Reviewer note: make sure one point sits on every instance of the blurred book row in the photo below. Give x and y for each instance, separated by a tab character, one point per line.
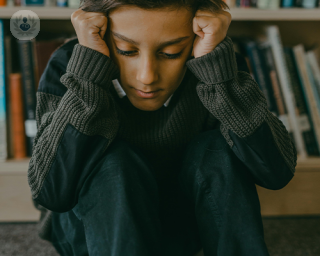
273	4
46	3
262	4
289	77
22	63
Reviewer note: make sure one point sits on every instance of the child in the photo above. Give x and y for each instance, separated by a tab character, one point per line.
152	135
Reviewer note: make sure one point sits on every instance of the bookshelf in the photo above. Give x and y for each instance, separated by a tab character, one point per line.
238	14
299	197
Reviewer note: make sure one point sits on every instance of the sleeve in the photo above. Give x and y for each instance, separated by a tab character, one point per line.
258	138
76	122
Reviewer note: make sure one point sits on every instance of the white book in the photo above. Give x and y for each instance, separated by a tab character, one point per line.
301	60
274	39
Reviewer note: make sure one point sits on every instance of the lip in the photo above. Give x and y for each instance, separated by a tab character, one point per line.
147	95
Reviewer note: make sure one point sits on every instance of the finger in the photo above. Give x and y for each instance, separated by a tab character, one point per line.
197	29
101	22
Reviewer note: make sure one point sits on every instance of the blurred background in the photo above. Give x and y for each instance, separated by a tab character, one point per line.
280	40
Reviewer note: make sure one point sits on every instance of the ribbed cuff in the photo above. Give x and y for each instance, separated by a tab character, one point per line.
218	66
92	65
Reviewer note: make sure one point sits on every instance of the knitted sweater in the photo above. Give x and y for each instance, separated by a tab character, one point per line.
79	114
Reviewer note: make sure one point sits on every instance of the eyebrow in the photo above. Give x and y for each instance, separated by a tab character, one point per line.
171	42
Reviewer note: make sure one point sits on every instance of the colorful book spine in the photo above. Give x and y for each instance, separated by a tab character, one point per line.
287	3
17	121
273	35
62	3
299	54
3	120
304	117
34	2
29	93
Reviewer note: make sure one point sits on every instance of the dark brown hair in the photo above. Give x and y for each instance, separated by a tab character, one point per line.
107	6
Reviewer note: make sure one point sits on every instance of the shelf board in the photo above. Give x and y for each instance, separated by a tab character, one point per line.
48	13
281	14
238	14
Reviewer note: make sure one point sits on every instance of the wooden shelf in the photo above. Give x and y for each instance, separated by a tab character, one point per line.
238	14
299	197
281	14
49	13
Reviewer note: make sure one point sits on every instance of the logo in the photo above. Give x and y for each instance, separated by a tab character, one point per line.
24	25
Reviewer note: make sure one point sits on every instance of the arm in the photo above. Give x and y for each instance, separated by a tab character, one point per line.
76	122
256	136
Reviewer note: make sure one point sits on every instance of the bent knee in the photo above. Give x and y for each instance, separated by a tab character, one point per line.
202	153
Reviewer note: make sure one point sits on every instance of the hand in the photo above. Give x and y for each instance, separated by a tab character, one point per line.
210	29
90	28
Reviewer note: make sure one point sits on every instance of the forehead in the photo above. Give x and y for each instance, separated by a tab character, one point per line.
136	22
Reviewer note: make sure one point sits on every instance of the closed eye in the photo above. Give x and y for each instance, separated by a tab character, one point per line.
166	55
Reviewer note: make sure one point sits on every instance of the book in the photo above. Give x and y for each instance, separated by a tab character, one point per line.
26	54
8	71
274	39
42	52
17	121
313	82
260	73
304	116
3	119
277	92
315	69
299	54
309	3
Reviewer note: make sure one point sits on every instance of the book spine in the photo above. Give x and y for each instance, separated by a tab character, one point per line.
34	2
307	90
8	71
309	3
287	3
315	69
29	93
278	55
312	79
17	122
263	4
277	94
303	118
3	119
260	75
76	3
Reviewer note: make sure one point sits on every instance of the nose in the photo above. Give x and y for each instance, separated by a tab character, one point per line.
147	71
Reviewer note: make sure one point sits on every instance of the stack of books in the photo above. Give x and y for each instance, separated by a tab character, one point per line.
289	77
22	63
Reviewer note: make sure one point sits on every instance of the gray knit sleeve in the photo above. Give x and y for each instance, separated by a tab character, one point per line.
236	100
73	130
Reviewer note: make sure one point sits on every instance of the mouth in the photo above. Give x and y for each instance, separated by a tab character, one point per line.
150	94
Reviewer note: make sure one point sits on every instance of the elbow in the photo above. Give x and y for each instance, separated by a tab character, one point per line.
55	201
278	180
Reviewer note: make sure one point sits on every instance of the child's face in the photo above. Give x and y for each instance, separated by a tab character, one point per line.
148	69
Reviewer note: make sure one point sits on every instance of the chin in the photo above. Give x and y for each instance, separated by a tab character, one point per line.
147	106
